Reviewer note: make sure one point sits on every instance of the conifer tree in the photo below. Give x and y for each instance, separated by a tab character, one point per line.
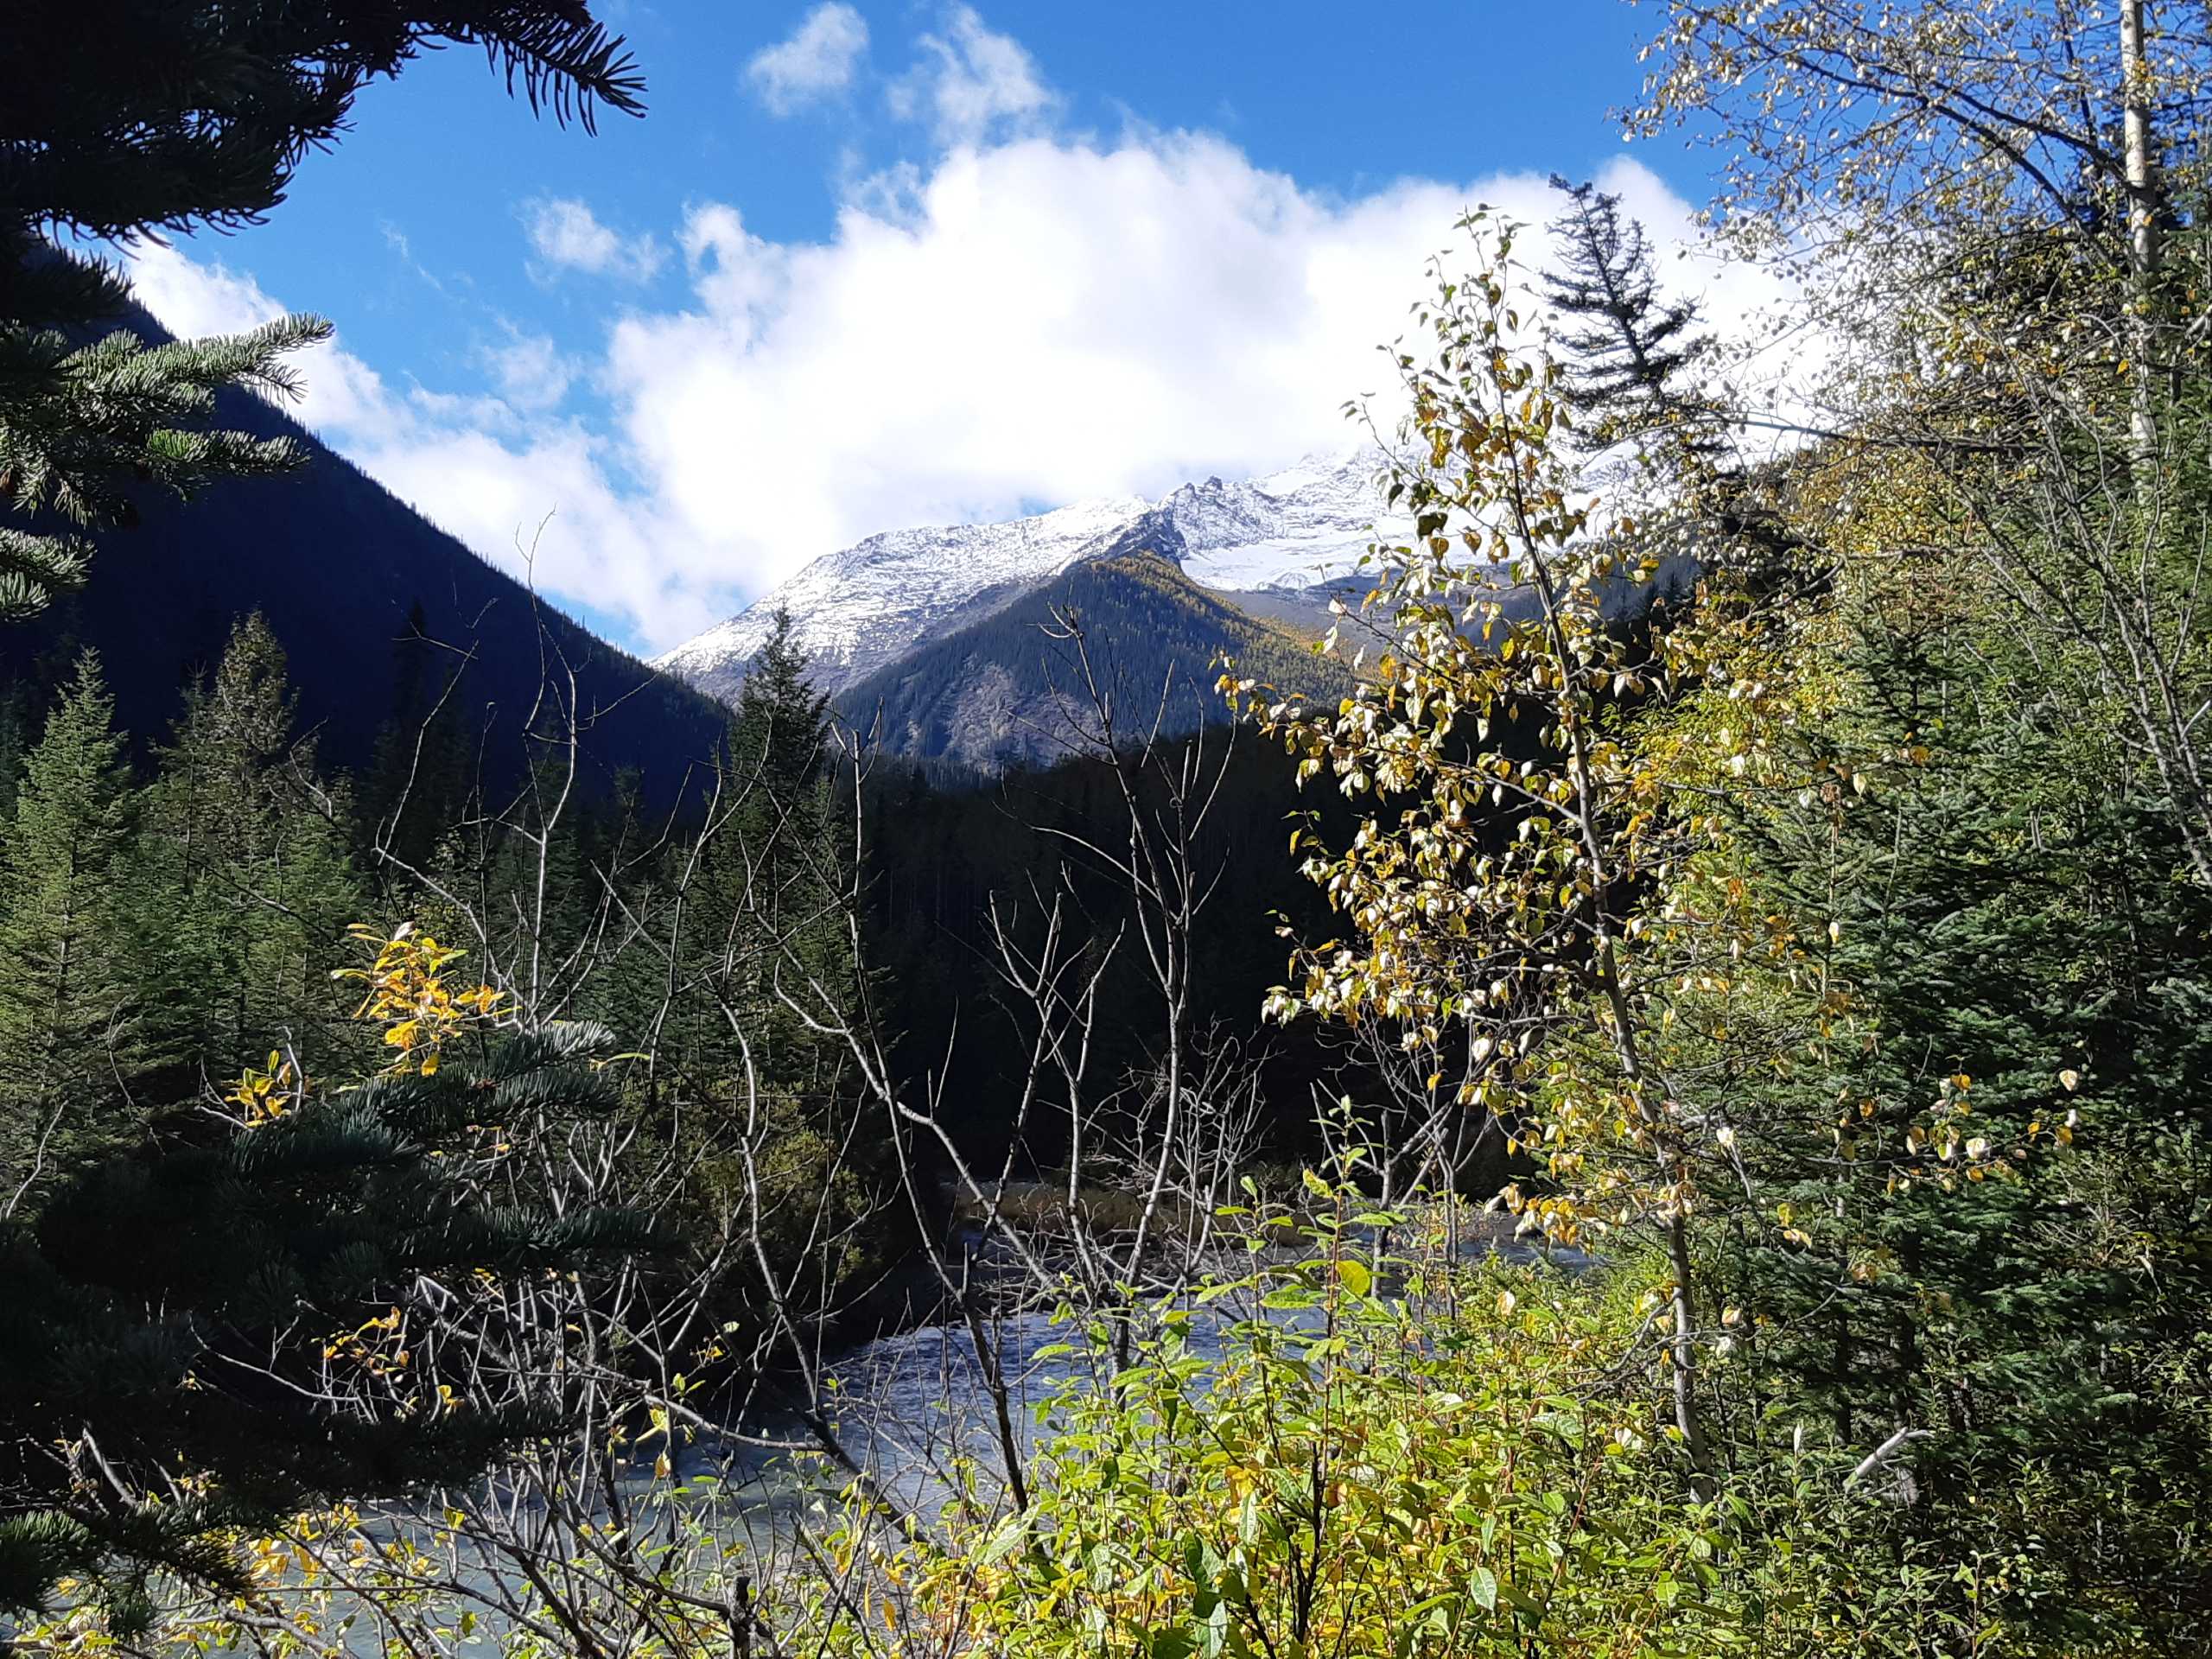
244	883
2014	936
120	118
775	871
1629	351
782	720
175	1310
1636	371
759	915
418	779
67	1043
753	880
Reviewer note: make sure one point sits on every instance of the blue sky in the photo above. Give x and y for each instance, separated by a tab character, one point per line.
865	265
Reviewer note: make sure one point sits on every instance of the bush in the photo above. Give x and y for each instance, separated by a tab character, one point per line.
1352	1454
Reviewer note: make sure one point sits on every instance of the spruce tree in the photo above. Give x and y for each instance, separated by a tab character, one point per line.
121	118
417	785
1631	353
181	1310
244	885
68	1046
773	878
2015	943
752	897
1636	372
782	721
763	924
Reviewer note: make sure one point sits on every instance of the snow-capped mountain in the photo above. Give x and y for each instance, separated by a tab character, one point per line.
1290	531
859	611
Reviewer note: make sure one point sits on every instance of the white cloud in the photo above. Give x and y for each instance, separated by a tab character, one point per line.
1022	320
191	299
1036	322
817	61
568	235
971	83
529	369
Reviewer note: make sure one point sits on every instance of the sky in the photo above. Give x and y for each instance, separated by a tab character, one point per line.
867	266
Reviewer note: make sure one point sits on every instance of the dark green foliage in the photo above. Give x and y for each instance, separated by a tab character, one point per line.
242	881
2014	916
1628	349
129	115
942	852
764	931
766	882
122	118
69	1042
1643	382
83	427
419	775
199	1307
782	723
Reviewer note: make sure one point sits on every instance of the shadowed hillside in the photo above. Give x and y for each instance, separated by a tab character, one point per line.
1001	691
376	607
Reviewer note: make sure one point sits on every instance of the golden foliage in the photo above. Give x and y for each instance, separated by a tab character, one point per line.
409	993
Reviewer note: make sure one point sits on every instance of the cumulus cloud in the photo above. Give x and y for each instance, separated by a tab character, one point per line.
567	236
817	61
971	83
1024	319
1040	321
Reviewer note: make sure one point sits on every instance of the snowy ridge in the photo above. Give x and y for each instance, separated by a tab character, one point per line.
857	611
1292	529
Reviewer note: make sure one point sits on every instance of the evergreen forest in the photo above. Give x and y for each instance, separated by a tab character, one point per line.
1636	1097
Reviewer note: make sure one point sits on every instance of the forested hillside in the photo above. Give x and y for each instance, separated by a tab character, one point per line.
1130	631
382	611
1643	1094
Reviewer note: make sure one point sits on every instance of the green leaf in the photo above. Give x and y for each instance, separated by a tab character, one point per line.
1481	1589
1522	1600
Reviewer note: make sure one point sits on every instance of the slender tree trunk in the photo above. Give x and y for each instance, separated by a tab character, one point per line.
1682	1351
2143	212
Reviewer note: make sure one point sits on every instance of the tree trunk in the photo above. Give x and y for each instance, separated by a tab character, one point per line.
2143	214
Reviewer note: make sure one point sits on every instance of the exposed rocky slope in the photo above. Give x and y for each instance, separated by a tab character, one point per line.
1012	688
866	609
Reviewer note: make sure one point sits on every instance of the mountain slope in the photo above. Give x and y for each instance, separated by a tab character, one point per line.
865	608
862	608
370	600
1002	690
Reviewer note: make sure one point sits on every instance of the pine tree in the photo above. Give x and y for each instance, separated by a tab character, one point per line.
1632	355
244	883
173	1310
120	118
68	1044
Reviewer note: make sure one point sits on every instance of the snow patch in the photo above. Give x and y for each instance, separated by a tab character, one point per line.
856	611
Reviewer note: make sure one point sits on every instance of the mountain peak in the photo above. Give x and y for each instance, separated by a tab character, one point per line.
858	611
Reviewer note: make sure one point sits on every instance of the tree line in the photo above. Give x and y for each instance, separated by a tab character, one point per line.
1764	885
